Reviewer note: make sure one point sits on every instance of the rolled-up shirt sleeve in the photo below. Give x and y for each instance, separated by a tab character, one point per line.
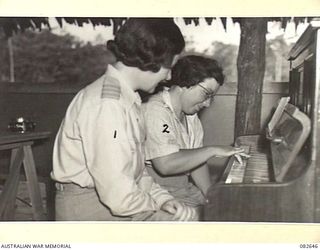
160	139
109	157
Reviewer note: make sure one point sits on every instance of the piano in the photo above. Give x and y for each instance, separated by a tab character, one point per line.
280	182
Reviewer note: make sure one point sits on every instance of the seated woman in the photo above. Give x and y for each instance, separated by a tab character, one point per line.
174	145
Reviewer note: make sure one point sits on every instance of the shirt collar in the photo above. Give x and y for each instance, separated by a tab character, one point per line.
167	99
167	102
128	96
165	94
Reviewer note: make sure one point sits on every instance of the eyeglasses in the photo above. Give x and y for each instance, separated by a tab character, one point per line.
209	95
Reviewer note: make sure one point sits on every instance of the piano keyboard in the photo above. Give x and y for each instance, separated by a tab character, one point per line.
253	170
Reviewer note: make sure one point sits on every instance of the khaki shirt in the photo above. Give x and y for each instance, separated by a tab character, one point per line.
167	135
100	144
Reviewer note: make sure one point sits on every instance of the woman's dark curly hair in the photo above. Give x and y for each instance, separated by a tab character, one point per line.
193	69
147	43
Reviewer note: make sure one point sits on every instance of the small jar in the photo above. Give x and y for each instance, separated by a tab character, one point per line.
21	125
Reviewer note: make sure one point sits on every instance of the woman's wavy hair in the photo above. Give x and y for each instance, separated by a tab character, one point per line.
193	69
147	43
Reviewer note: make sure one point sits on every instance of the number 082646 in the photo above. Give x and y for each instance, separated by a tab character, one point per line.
308	245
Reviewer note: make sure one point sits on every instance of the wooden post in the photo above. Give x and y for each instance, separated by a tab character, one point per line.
11	59
251	69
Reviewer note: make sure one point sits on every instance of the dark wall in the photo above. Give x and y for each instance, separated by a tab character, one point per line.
45	105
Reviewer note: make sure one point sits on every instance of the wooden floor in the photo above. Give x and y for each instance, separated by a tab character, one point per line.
23	206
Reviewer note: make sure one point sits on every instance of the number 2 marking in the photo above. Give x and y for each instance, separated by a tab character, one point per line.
165	129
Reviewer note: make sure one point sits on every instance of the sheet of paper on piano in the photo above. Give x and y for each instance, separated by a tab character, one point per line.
277	114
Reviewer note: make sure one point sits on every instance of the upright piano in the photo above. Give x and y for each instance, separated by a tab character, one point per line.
280	182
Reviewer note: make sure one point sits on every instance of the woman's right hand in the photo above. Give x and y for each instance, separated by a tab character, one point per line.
180	211
226	151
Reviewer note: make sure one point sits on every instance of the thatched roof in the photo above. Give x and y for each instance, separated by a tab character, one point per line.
12	25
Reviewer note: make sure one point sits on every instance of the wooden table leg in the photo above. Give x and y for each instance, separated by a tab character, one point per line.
9	212
33	184
8	195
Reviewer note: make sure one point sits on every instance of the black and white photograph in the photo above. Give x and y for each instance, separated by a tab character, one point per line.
160	122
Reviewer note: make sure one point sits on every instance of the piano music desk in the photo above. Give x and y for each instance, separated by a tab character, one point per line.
21	152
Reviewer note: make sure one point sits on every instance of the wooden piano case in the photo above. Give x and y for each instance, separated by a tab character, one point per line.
293	195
